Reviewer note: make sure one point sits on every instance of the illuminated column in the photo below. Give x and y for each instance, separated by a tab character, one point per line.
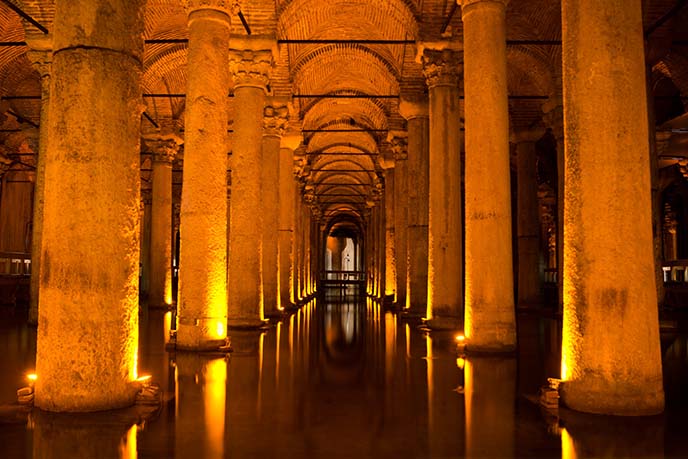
490	395
40	56
416	114
164	149
287	192
554	118
250	63
275	120
527	218
145	234
390	253
441	68
490	319
202	298
399	144
88	307
611	360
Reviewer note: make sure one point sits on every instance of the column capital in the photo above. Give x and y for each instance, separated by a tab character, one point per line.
411	108
228	7
464	4
398	141
442	63
5	164
41	60
291	141
163	146
251	61
275	119
146	196
527	135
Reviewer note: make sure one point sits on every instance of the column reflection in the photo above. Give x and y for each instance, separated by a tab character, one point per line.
490	394
201	392
84	435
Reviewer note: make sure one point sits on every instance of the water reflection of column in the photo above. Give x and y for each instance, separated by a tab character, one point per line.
445	404
83	436
244	390
589	436
201	393
490	393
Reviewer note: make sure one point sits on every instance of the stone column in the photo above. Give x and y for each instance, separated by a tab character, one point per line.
441	68
527	218
287	192
390	252
202	303
607	369
275	120
163	148
490	319
399	143
250	63
88	307
145	238
416	114
40	56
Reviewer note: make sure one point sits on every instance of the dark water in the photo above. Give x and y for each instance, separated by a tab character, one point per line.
341	379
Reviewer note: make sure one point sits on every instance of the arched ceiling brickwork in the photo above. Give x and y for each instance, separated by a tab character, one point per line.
361	69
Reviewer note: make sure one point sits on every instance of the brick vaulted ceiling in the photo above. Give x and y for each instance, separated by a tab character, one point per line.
343	163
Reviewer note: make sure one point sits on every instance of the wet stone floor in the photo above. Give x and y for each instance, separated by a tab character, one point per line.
341	378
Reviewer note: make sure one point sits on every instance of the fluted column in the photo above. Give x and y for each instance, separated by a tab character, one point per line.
445	267
88	307
250	63
40	56
202	303
164	149
275	120
287	210
608	369
490	319
527	218
399	143
416	114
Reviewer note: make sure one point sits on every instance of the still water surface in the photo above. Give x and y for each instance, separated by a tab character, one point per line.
341	378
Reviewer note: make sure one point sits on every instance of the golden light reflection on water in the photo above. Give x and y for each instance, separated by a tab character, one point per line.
214	395
128	448
568	448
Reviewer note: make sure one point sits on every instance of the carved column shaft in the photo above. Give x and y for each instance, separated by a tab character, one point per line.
401	210
275	121
445	258
603	56
250	70
41	60
88	306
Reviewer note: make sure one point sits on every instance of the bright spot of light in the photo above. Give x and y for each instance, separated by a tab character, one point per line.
32	377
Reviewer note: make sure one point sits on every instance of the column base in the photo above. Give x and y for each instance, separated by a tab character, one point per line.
617	398
246	324
488	349
221	346
443	323
278	314
413	312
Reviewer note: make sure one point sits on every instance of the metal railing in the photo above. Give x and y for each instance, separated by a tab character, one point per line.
15	264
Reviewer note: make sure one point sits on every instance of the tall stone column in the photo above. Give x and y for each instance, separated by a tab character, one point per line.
441	68
416	114
40	56
399	142
287	211
490	319
527	218
250	63
202	303
88	307
608	369
145	238
164	149
275	120
390	252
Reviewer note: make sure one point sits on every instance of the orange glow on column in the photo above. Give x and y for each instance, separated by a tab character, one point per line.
128	446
